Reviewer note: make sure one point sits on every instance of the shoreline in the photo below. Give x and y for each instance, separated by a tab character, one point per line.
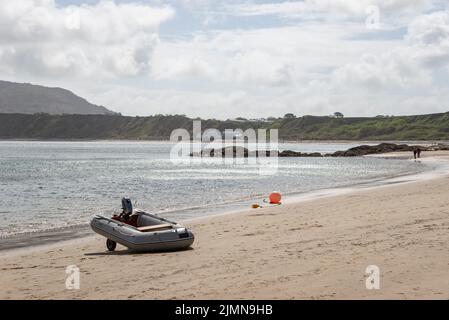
54	236
281	142
315	249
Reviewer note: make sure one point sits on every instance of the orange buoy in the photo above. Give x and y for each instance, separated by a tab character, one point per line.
255	206
275	198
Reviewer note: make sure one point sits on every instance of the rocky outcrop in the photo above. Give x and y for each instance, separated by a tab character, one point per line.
359	151
365	150
233	152
438	147
289	153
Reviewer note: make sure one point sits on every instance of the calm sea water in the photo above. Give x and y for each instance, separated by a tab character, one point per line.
45	185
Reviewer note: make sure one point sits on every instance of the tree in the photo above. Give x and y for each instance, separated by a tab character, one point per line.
289	116
339	115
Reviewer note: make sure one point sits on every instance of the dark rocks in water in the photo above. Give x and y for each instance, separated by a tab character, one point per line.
236	152
386	148
233	152
313	155
377	149
438	147
353	152
289	153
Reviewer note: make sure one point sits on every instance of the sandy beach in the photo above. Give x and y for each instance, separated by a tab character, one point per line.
316	249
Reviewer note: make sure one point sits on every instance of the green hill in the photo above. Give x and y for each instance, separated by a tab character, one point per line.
423	127
159	127
28	98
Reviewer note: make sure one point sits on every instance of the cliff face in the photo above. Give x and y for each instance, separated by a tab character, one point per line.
29	99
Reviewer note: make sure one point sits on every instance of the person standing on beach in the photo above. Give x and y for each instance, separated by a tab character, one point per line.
417	153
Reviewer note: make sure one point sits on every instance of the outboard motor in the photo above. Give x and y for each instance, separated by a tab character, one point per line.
127	207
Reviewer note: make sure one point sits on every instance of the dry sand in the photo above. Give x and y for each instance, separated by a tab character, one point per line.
316	249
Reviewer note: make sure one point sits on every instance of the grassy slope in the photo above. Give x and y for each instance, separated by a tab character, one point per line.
426	127
43	126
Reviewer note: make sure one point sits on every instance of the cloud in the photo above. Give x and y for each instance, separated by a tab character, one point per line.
389	14
407	79
326	71
393	72
102	40
408	67
266	57
305	57
211	104
330	8
429	37
307	69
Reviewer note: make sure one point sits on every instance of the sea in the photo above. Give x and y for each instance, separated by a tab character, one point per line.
51	186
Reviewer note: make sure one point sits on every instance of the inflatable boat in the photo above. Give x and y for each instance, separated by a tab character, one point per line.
141	231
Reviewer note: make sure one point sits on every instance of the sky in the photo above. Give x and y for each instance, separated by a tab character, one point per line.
236	58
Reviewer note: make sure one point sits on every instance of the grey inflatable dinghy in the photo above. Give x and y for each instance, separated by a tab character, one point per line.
141	231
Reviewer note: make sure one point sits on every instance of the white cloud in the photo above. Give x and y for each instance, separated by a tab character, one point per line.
101	40
318	59
392	71
429	37
212	104
408	67
315	99
239	73
333	9
407	79
274	57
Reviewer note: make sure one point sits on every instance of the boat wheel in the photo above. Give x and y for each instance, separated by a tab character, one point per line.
111	245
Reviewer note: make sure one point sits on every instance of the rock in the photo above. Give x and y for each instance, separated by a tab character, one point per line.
438	147
353	152
289	153
233	152
377	149
243	152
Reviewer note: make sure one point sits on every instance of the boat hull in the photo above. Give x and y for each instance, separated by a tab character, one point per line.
178	238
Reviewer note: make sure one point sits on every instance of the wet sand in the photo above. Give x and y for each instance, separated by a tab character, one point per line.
315	249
